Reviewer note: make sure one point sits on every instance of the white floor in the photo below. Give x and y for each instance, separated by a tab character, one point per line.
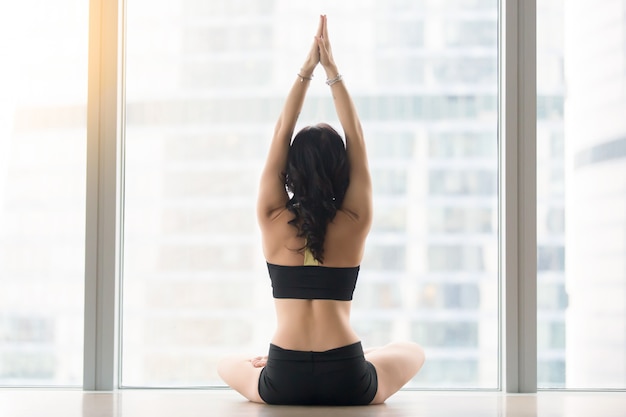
226	403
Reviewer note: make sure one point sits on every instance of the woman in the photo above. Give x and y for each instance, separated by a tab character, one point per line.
313	243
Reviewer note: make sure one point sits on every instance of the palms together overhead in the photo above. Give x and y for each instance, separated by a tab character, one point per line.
320	52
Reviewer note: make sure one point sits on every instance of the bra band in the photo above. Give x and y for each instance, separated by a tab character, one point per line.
313	282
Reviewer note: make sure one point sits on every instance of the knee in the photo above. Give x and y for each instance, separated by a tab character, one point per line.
223	366
415	353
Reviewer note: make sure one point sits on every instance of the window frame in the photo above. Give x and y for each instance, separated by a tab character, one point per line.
103	228
517	196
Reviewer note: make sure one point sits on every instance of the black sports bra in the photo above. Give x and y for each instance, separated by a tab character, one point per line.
313	282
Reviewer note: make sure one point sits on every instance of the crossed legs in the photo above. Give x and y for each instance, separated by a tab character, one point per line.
240	374
395	363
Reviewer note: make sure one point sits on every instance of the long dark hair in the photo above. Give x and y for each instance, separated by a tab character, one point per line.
317	175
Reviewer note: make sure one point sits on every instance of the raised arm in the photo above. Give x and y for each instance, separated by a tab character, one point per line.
272	194
358	199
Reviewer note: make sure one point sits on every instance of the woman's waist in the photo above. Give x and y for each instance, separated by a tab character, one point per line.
343	353
317	338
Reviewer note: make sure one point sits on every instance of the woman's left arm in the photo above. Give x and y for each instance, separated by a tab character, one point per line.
272	194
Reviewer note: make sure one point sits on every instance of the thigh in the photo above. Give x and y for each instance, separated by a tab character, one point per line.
395	364
239	373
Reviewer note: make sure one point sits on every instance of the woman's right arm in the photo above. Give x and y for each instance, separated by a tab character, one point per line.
272	194
358	199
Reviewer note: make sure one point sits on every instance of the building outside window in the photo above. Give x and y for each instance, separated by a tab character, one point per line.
204	84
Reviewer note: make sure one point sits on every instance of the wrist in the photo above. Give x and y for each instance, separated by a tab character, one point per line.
306	71
332	81
331	71
304	78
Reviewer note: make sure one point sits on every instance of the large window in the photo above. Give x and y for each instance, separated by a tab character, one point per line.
200	84
205	82
43	96
581	193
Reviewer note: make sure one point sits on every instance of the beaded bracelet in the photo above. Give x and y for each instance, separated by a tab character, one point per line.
334	80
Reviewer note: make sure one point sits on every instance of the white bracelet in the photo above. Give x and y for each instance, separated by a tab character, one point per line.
302	78
334	80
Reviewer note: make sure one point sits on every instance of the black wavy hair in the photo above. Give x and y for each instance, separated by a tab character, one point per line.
317	175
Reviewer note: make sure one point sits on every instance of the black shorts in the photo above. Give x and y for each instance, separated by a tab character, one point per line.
339	376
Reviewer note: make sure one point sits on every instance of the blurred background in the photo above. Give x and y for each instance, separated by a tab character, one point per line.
204	84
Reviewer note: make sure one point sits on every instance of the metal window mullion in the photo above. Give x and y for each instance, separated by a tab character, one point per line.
518	190
103	200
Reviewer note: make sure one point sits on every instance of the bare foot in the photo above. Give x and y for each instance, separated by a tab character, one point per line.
259	361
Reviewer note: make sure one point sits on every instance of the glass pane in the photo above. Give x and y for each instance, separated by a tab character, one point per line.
205	84
43	94
581	184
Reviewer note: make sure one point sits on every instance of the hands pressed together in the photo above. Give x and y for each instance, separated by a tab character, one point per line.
320	53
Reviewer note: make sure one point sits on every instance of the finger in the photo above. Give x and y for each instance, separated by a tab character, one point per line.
325	30
320	27
321	46
315	44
